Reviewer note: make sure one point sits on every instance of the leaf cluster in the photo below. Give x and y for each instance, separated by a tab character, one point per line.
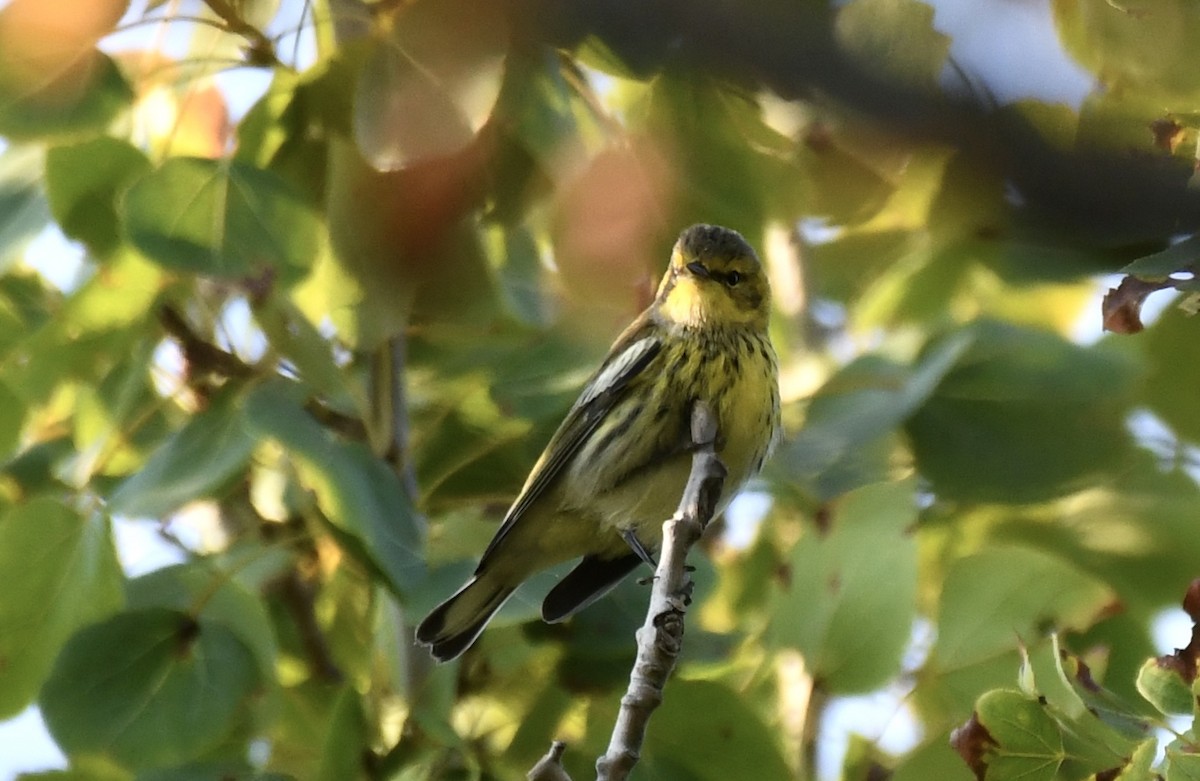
315	347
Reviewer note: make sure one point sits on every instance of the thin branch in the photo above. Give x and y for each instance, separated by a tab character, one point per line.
549	767
201	355
296	593
261	50
337	422
661	637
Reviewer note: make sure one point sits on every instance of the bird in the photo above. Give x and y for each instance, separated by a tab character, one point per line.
618	463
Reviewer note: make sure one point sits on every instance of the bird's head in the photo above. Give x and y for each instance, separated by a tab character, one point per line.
715	279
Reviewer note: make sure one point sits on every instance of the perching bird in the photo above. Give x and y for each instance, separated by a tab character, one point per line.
617	466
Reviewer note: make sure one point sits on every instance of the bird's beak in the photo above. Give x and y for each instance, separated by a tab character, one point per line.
698	269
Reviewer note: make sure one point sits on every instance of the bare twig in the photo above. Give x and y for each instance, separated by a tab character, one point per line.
661	636
549	767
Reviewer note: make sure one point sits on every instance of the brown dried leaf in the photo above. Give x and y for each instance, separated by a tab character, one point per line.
1122	305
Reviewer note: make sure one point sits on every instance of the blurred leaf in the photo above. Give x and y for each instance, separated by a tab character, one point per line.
1167	391
63	574
1024	415
867	399
198	460
851	628
987	606
538	104
359	494
515	260
709	732
430	85
83	181
1182	256
148	688
295	337
717	174
12	418
894	36
203	587
1134	45
934	758
23	209
221	218
83	96
342	755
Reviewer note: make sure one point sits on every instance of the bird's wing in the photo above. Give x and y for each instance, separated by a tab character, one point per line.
629	356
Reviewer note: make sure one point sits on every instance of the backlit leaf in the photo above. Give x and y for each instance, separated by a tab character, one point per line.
148	688
220	218
62	574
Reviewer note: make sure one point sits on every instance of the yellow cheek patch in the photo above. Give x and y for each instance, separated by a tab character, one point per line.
684	304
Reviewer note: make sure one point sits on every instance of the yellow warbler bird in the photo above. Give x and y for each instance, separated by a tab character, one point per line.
617	466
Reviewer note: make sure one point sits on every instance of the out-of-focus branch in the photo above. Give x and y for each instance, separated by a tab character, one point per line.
1103	198
202	356
549	767
297	597
261	51
661	637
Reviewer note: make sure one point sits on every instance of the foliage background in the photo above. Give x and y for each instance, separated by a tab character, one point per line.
321	345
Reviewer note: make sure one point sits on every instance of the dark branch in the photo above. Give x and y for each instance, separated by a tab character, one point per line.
202	356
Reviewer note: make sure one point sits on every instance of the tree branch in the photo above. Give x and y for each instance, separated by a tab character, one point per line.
661	637
549	767
200	355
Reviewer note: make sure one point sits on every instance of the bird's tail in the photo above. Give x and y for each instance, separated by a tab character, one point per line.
453	625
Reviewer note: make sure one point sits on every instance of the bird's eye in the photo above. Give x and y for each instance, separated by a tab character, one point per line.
697	268
732	278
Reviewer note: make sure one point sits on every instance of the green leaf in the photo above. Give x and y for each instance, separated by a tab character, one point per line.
83	181
1133	46
1024	415
431	84
63	573
1025	742
866	400
1138	766
220	218
933	759
342	757
514	258
1164	687
87	96
148	688
1169	392
1183	761
294	336
12	419
708	730
1042	675
988	606
538	106
1179	257
894	36
359	494
23	210
851	627
1091	744
194	463
220	600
